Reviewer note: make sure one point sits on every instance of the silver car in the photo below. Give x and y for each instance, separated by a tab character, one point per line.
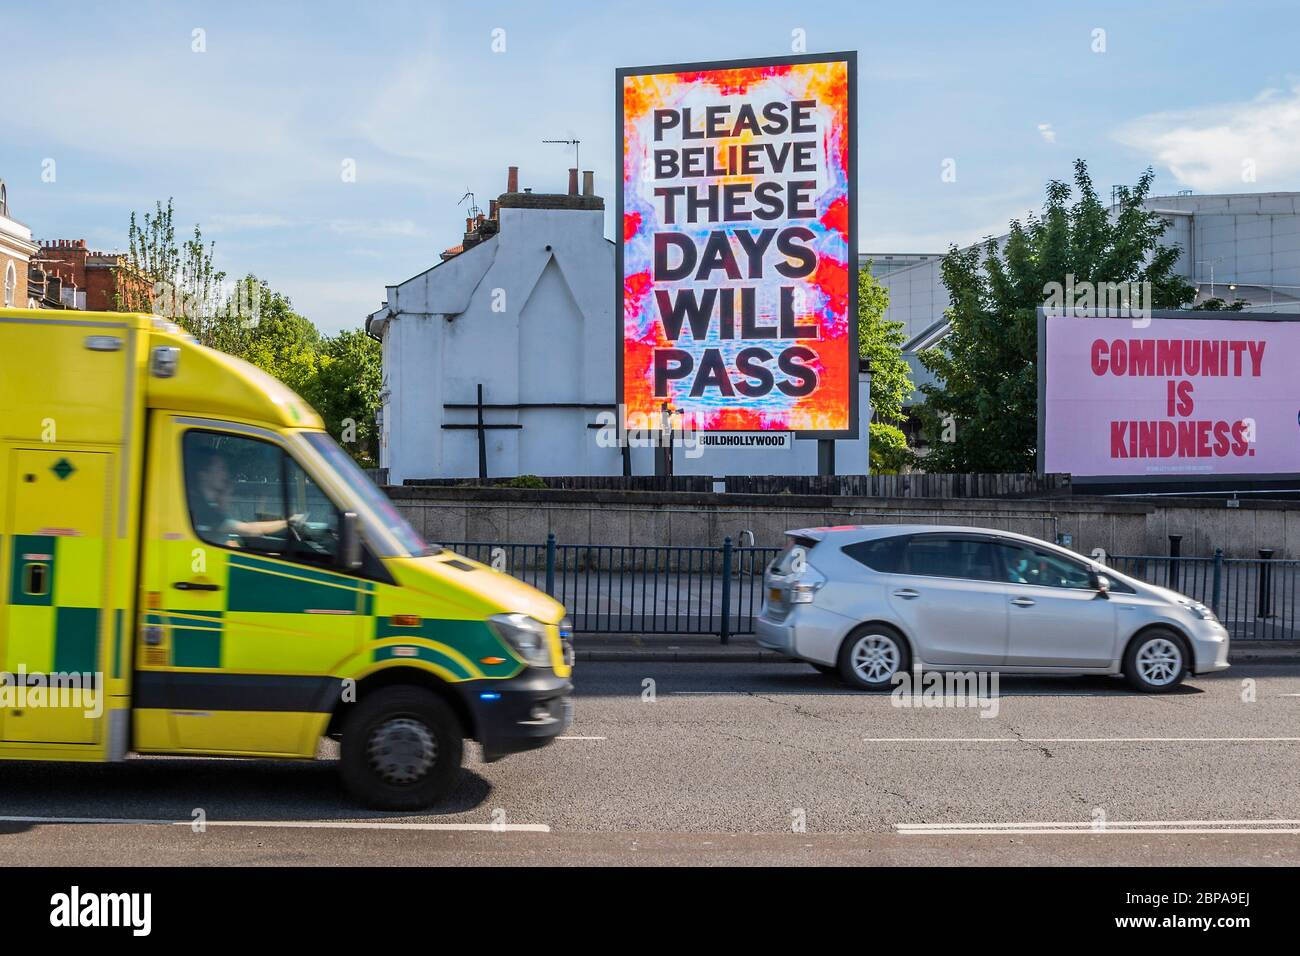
870	601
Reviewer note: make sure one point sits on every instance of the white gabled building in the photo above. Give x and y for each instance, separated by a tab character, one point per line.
524	310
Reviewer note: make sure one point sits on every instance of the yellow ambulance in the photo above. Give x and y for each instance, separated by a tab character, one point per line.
191	565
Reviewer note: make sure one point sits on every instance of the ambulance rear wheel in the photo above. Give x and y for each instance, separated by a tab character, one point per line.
401	749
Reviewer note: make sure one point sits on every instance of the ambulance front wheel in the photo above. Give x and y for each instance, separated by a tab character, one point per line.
401	749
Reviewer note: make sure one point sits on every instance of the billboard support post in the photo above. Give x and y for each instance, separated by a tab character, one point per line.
825	456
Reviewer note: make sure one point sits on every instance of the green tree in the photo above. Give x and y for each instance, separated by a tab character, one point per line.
345	391
1218	305
881	342
981	415
274	337
180	282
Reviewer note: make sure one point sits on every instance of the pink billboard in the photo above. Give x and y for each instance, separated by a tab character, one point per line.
1164	398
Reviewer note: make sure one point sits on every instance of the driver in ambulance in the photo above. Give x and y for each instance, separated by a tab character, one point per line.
211	510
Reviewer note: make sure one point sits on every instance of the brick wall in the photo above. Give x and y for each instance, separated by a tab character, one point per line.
98	274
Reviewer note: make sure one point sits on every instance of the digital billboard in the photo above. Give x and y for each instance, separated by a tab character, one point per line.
737	284
1178	395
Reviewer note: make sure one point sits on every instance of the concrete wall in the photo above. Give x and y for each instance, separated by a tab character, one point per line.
689	519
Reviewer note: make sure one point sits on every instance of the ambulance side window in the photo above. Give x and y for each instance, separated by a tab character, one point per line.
234	487
316	521
248	494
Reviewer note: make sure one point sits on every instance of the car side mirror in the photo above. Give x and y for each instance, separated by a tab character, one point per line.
349	541
1101	584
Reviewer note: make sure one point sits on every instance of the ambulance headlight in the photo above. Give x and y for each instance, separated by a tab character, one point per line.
526	635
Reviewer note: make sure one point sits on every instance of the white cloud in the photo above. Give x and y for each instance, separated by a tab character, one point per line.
1214	148
1045	130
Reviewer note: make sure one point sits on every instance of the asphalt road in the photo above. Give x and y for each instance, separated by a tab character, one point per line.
745	763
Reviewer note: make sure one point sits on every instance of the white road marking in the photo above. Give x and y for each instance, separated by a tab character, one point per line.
1077	740
1109	826
580	738
295	824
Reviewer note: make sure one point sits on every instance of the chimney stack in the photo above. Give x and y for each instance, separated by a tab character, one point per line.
512	180
492	208
588	183
573	181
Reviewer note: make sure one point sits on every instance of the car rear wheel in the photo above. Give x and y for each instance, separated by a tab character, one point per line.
401	749
1156	661
872	655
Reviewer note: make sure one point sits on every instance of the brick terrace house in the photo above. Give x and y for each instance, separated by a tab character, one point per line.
91	280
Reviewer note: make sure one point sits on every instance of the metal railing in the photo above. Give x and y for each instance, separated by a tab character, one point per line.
1257	599
653	589
640	589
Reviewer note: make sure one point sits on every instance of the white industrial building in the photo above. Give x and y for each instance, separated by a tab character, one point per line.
1235	247
500	360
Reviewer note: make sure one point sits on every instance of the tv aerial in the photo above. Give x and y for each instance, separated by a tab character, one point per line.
577	162
474	210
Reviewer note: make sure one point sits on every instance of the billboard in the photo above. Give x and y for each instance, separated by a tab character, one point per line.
1178	396
737	286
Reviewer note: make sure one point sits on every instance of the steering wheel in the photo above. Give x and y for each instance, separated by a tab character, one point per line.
293	530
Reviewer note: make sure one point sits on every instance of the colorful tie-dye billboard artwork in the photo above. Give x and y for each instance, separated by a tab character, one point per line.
737	271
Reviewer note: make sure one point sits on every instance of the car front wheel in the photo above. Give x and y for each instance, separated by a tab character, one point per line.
872	655
1156	661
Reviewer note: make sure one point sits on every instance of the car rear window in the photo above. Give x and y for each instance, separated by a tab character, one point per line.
793	542
879	554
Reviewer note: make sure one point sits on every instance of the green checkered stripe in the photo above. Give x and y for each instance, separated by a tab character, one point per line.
36	620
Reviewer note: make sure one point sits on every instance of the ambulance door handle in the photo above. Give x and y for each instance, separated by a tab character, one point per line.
192	586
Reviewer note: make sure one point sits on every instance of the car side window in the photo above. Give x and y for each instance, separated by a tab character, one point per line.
1025	564
936	555
880	554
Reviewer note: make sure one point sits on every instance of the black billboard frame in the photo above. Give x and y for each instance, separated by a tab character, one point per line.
1157	484
850	57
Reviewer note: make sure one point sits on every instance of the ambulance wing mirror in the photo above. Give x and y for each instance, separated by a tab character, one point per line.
349	541
163	361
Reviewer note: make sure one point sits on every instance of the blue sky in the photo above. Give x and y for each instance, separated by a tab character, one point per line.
250	136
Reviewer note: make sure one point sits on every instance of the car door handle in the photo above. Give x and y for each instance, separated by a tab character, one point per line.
195	586
1023	602
907	594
